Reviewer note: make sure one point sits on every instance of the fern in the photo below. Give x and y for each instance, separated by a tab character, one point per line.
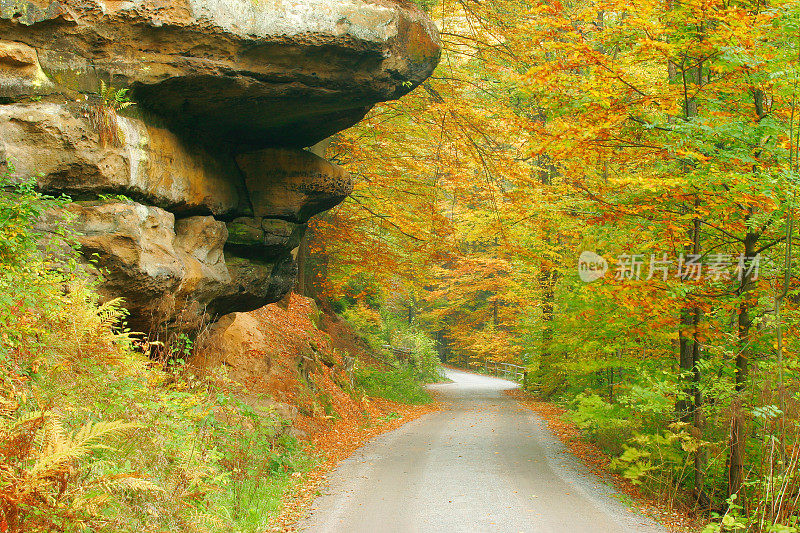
115	98
40	466
59	451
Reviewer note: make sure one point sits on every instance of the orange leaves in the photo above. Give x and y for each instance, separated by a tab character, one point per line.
550	128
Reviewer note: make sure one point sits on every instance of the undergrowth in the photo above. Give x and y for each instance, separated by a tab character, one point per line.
400	385
637	427
381	328
94	436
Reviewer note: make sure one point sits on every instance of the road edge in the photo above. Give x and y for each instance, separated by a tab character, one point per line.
331	449
598	463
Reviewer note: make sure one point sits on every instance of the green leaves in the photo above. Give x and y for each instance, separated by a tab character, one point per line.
396	385
116	99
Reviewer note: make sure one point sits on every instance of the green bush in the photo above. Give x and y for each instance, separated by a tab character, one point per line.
658	460
368	324
381	328
601	420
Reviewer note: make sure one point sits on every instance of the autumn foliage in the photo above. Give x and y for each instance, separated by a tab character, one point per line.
662	136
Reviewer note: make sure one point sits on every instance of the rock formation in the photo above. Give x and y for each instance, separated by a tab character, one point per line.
179	128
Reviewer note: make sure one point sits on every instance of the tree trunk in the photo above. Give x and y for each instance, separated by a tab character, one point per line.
744	323
689	349
302	254
689	408
548	277
683	406
547	283
698	420
611	384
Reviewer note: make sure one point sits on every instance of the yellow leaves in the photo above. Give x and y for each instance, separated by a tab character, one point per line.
685	153
662	47
549	126
43	459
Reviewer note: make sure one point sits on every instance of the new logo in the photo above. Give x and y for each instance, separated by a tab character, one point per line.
591	266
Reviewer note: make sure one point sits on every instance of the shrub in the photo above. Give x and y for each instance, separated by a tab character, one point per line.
380	328
603	422
658	460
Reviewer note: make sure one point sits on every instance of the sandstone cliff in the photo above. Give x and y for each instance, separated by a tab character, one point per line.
179	128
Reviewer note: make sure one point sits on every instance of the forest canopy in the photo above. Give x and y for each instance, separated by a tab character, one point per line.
655	143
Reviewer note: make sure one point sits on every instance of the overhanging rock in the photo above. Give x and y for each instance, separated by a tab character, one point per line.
193	194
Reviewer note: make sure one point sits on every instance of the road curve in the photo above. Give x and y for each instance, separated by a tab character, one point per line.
484	463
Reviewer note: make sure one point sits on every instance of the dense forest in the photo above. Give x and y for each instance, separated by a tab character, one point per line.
602	192
655	143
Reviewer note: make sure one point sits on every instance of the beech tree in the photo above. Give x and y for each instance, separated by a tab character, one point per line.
663	138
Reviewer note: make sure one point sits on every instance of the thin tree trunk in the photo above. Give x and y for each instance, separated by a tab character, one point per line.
688	323
744	323
302	254
548	277
690	406
547	284
698	420
611	385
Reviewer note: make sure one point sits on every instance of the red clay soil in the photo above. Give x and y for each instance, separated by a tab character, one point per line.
598	462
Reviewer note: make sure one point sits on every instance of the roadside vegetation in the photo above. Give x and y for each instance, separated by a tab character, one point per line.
604	192
94	435
102	431
389	331
397	385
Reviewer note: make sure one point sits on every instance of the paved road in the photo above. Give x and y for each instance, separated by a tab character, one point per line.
483	464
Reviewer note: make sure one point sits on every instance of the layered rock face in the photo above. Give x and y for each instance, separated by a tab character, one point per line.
180	128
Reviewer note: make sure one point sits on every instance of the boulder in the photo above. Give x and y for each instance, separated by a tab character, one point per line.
20	72
273	350
133	243
91	149
278	73
199	243
235	342
180	129
264	237
171	272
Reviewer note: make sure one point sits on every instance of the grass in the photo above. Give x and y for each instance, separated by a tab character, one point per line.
397	385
